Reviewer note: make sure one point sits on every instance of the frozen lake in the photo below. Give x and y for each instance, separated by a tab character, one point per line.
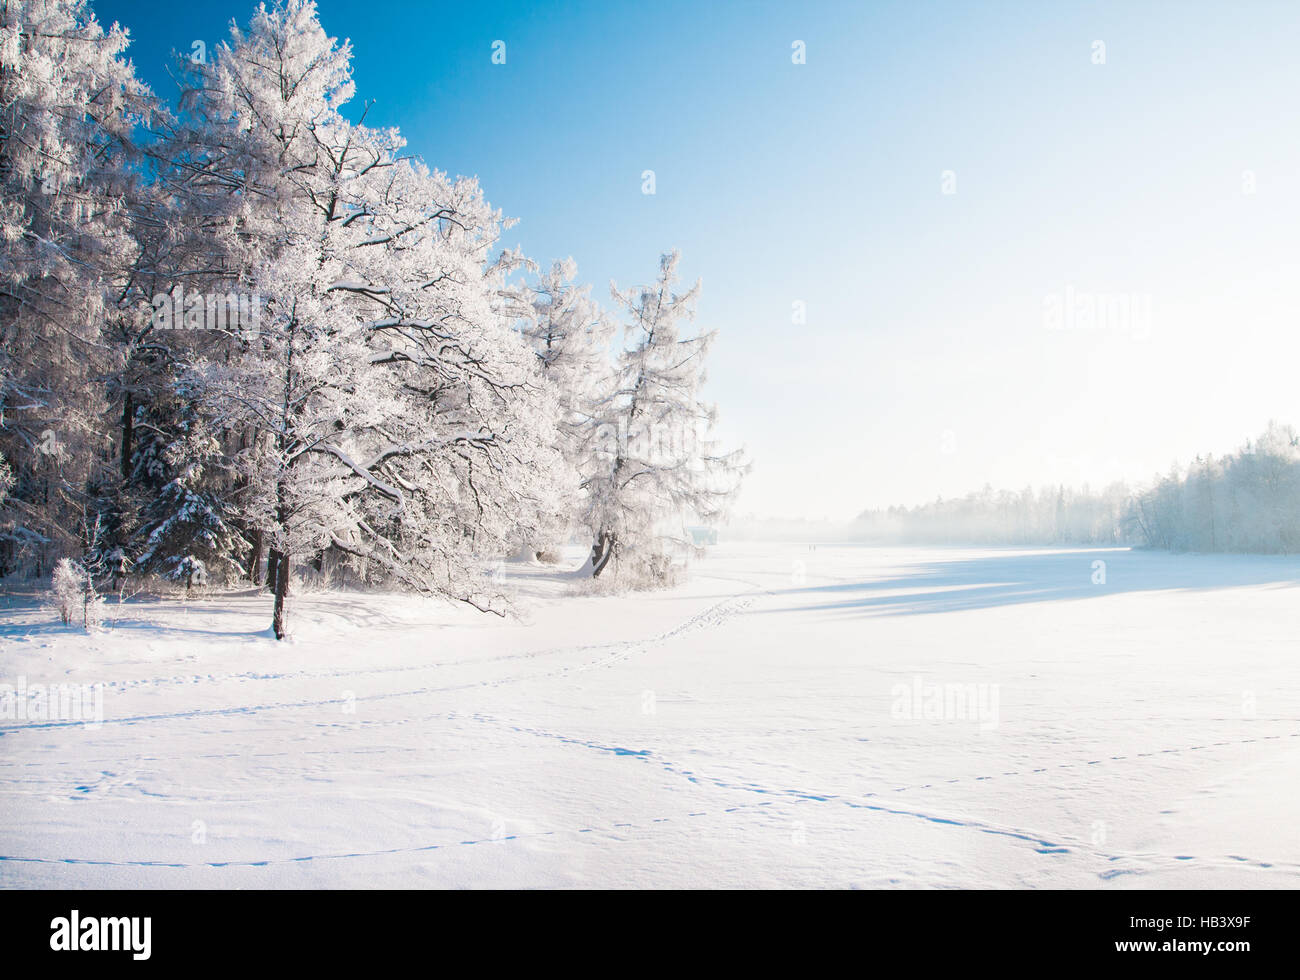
841	717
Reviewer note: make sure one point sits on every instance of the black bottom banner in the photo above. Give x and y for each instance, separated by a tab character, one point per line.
336	929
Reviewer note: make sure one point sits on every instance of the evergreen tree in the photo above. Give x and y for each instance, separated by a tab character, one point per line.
656	465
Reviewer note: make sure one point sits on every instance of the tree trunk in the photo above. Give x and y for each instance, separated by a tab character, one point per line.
255	559
281	594
272	565
128	411
601	552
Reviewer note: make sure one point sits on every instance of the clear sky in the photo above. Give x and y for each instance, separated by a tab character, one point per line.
947	342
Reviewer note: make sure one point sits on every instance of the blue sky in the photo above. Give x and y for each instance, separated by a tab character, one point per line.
925	365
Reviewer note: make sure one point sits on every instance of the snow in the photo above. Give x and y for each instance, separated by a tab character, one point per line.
750	727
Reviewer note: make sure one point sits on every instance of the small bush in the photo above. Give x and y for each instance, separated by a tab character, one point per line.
73	594
66	587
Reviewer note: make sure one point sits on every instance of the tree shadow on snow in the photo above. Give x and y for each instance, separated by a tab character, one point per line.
1012	578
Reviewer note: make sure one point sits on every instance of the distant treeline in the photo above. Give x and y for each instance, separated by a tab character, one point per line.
1248	501
1047	516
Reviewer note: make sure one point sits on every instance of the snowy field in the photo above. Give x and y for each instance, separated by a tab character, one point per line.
773	722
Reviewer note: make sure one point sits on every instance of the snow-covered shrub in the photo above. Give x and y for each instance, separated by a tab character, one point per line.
632	570
72	592
92	610
189	570
66	587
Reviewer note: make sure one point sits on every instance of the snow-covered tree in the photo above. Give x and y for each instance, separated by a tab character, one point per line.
400	420
69	102
1248	501
387	397
658	466
184	531
571	336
